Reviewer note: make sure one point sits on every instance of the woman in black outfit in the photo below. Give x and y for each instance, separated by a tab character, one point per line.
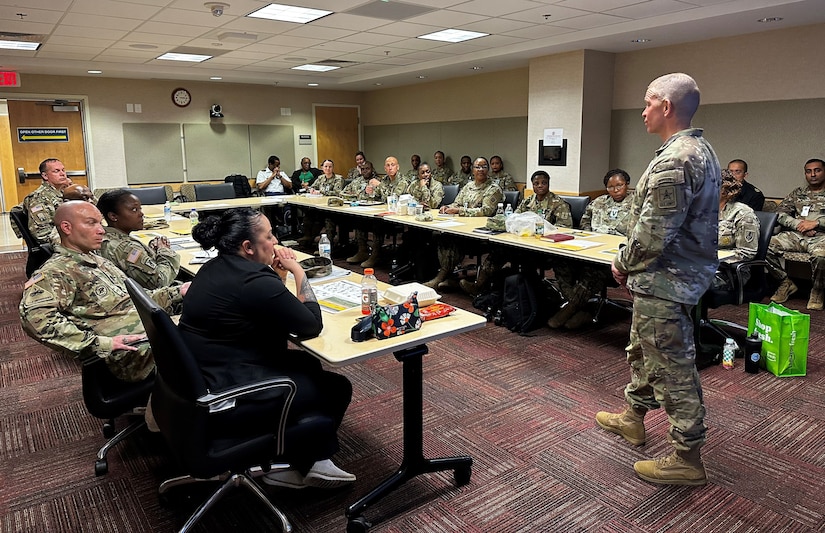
237	318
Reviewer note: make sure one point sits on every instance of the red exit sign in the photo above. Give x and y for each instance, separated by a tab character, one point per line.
9	79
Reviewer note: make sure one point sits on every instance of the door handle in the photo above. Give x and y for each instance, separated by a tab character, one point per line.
21	175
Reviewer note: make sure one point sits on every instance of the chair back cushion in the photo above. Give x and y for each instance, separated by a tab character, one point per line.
106	396
767	223
450	192
149	195
219	191
578	204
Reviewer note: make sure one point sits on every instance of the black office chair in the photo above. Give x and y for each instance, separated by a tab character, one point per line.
209	191
450	192
107	398
578	205
38	252
216	435
511	198
753	290
150	195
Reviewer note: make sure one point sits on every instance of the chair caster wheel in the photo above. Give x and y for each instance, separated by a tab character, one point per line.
462	476
101	467
358	525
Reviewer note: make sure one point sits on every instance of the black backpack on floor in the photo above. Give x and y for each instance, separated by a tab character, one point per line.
524	305
241	184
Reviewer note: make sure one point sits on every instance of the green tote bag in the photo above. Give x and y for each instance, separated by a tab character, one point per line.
784	334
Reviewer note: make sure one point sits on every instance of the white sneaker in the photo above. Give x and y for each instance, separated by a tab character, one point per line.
324	474
291	479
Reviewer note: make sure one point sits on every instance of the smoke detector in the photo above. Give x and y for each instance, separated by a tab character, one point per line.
217	8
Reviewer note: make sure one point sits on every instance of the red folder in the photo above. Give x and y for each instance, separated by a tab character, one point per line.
557	237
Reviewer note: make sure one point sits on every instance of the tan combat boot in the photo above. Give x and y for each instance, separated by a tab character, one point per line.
441	276
373	258
362	254
784	291
678	468
630	424
576	299
816	300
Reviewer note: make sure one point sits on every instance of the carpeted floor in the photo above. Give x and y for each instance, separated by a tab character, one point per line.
522	407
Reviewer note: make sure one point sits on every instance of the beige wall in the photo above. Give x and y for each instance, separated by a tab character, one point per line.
106	100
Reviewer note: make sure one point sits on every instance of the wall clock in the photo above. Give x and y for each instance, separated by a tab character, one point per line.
181	97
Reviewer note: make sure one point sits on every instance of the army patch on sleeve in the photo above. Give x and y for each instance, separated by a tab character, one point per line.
666	197
750	235
34	279
134	255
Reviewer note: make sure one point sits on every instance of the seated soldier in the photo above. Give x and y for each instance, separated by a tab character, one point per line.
424	190
76	191
465	173
480	198
77	302
501	177
579	280
738	231
41	203
327	184
153	266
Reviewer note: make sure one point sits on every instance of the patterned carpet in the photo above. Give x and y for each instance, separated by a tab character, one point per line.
522	407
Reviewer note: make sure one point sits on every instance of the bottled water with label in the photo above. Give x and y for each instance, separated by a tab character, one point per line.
193	217
728	353
324	247
167	211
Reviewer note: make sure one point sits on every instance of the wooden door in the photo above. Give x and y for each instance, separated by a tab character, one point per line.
336	129
31	144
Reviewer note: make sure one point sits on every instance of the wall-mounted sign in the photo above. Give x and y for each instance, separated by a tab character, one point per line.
43	135
304	139
9	79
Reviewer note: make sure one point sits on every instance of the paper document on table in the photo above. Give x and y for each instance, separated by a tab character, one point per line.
447	224
337	272
610	251
273	200
147	235
575	244
204	256
580	234
367	208
338	295
215	206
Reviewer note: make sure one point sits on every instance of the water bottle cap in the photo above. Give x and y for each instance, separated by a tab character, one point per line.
369	271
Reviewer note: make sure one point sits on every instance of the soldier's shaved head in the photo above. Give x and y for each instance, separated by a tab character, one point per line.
79	225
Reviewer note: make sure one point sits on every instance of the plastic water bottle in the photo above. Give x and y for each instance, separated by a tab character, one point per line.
500	210
324	247
508	210
728	353
193	217
369	291
167	211
392	203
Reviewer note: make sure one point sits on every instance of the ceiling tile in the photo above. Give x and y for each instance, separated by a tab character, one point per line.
193	18
651	8
112	9
294	42
351	22
54	5
164	28
405	29
329	34
537	15
494	8
57	53
140	37
100	33
31	16
539	32
597	6
595	20
95	21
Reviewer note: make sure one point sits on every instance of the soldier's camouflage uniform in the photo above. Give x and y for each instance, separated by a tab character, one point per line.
353	173
443	175
801	204
670	259
555	210
429	196
398	186
579	280
462	179
75	303
328	187
472	201
151	269
40	205
504	180
738	231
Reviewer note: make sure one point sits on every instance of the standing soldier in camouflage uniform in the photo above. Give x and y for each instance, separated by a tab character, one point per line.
802	217
442	173
545	203
412	175
77	302
41	203
501	177
424	190
465	173
668	263
390	184
738	231
579	280
477	199
152	266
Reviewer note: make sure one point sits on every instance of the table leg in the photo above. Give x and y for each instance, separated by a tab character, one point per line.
414	463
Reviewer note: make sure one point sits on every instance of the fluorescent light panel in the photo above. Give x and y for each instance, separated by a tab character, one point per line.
193	58
315	68
19	45
453	36
301	15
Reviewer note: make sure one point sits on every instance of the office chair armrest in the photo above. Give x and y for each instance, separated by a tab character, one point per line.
245	390
740	267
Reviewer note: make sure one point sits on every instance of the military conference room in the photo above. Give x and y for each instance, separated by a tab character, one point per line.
419	265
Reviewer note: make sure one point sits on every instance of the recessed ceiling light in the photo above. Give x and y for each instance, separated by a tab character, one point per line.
422	77
453	36
315	68
476	68
140	46
312	85
194	58
215	78
19	45
94	71
641	40
769	19
301	15
378	83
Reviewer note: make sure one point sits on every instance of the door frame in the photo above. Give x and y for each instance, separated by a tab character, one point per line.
85	121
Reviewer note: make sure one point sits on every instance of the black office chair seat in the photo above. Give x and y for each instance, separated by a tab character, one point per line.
107	398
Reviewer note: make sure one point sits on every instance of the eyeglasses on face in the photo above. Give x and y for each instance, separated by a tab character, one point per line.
480	167
617	187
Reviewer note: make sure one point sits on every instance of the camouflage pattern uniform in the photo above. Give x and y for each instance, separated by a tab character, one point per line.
329	186
579	280
428	196
604	215
355	189
387	187
738	230
353	173
472	201
790	213
398	186
462	179
151	269
75	303
555	210
40	205
443	175
504	180
670	259
410	175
